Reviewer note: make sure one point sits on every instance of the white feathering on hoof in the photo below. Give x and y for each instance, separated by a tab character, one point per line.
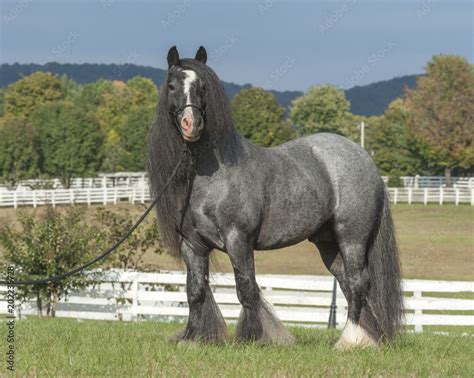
354	335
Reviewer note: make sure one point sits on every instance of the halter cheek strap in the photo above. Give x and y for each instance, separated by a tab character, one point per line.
178	111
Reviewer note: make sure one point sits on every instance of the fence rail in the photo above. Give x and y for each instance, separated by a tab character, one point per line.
105	195
140	179
303	300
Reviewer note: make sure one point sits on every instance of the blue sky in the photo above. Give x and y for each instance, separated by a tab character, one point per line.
274	44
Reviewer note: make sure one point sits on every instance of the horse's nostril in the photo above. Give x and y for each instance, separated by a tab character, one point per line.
186	123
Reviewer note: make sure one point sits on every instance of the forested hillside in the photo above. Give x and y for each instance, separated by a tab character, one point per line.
366	100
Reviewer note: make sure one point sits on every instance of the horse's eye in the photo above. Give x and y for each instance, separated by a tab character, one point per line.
171	87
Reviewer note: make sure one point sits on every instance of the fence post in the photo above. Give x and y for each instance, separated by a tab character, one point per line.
456	201
53	201
105	195
89	197
115	195
409	195
425	197
15	199
395	196
333	308
135	298
418	327
472	197
34	199
71	196
441	194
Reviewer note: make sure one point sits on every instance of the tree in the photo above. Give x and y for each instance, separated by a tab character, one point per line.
133	136
118	112
324	108
442	111
71	141
258	117
25	95
47	244
19	151
2	102
394	148
113	225
142	92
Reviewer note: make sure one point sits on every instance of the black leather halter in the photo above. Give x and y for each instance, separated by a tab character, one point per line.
178	111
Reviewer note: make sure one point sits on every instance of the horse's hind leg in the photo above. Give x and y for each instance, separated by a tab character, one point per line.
205	321
330	254
257	321
361	327
347	262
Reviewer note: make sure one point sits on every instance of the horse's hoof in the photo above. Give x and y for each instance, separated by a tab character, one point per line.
354	336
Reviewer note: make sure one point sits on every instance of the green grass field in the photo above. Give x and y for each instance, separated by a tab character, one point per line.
436	242
63	347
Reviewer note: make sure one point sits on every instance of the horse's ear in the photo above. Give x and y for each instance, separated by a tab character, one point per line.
201	55
173	57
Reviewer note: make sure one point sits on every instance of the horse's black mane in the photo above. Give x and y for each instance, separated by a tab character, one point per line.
165	147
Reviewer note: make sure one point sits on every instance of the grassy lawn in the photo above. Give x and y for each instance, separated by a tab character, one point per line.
436	242
64	347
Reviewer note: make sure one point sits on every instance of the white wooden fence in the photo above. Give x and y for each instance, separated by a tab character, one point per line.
426	195
418	182
302	300
140	179
15	198
113	195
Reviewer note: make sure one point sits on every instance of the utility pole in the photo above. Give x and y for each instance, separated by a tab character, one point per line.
362	134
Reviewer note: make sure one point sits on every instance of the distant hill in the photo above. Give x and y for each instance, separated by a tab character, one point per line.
367	100
372	99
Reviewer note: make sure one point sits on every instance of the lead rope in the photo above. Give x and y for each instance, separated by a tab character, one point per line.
109	250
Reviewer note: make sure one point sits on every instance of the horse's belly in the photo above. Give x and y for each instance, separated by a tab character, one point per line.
291	221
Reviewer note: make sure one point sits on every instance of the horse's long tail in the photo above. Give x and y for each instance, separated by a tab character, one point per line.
385	296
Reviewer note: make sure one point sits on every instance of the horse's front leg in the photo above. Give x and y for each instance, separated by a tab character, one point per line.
205	321
258	321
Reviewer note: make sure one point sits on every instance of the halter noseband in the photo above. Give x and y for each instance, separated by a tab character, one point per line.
178	111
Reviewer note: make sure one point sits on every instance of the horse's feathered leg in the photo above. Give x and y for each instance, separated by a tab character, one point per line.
356	282
257	321
205	321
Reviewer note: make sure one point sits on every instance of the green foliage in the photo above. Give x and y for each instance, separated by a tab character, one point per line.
259	118
125	113
28	93
442	111
47	244
113	225
71	141
133	136
2	102
394	148
323	108
19	151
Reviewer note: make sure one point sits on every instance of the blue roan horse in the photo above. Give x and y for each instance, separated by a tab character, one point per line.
236	197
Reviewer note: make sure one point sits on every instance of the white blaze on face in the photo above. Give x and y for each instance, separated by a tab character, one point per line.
188	80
